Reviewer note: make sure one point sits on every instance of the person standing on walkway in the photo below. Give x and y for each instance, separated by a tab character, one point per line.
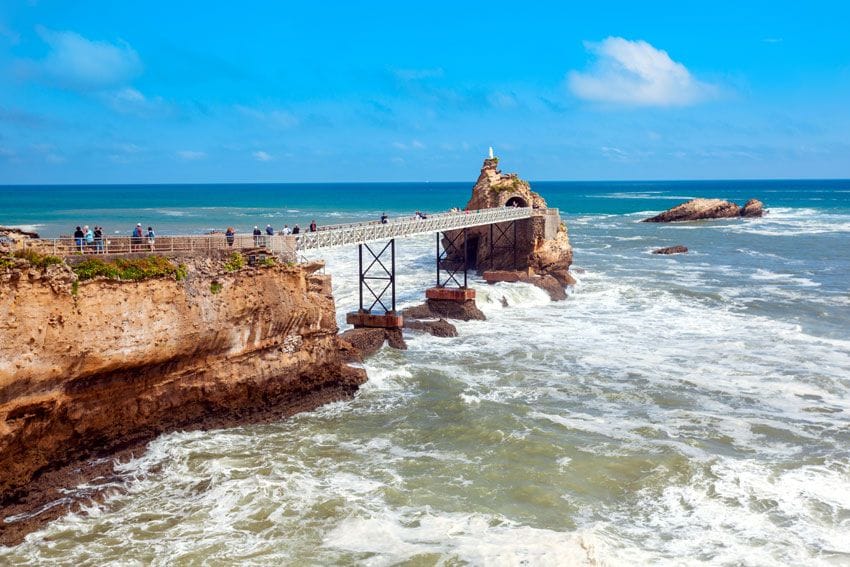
258	236
151	238
136	239
313	227
230	235
269	230
79	238
384	218
98	239
89	236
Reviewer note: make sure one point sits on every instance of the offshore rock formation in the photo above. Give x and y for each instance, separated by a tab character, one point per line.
699	209
89	368
542	243
678	249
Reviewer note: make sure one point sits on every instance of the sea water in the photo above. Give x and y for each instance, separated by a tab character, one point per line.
673	410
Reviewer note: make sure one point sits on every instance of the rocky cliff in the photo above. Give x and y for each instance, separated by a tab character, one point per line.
540	247
87	368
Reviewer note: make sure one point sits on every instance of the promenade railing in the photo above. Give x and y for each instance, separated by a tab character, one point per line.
287	246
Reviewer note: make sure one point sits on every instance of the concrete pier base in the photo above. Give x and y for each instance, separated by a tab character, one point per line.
362	319
459	295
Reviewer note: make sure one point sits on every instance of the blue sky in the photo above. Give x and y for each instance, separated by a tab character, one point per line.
120	92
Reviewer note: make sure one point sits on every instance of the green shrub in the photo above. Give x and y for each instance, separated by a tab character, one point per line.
75	287
267	261
181	273
36	259
215	288
234	263
129	269
5	262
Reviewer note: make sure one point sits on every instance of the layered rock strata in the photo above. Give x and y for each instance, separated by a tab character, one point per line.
88	368
701	209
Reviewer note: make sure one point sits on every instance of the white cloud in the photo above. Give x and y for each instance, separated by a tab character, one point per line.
191	155
262	156
78	63
131	101
276	118
636	73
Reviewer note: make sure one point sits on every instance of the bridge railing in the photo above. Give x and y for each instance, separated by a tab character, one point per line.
394	228
121	245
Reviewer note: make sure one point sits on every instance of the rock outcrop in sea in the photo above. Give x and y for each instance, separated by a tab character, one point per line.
678	249
700	209
88	368
542	254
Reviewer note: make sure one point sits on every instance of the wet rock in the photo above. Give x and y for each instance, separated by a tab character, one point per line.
753	209
439	308
504	301
365	342
395	339
438	328
550	285
678	249
698	209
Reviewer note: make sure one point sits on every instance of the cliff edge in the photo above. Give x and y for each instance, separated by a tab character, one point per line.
88	368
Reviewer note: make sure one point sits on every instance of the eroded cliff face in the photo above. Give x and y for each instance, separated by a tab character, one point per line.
542	243
90	368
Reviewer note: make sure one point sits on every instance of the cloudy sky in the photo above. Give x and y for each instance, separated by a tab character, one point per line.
121	92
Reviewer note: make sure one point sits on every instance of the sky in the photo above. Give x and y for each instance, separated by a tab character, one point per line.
187	92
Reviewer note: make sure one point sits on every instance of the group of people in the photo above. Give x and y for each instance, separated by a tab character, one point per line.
89	240
92	240
260	235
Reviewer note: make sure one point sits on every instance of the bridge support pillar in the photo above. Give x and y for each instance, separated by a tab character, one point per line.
377	277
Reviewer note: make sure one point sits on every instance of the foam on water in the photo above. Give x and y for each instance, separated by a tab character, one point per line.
672	410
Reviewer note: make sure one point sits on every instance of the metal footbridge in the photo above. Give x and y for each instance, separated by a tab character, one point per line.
363	233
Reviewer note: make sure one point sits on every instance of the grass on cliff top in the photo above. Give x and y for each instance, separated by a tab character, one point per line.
130	269
35	259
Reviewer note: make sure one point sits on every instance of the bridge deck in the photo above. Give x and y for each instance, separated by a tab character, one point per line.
361	233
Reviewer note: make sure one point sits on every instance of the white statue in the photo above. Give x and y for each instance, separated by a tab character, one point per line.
491	152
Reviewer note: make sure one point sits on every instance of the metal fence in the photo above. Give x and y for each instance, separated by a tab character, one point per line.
121	245
286	246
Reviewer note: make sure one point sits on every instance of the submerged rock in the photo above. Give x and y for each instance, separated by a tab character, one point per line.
678	249
700	209
438	328
368	341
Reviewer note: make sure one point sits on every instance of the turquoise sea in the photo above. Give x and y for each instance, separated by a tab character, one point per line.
674	410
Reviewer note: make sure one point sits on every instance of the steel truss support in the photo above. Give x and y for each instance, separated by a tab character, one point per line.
501	240
452	268
380	276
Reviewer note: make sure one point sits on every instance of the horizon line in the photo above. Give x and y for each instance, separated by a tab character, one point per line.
530	181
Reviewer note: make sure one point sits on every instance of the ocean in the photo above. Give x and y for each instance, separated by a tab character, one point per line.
673	410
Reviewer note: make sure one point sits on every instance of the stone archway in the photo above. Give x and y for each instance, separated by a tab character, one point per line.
516	201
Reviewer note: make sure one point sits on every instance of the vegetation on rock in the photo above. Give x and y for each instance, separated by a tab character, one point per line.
130	269
234	263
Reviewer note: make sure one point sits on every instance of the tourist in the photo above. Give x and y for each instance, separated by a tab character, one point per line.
79	237
313	227
258	236
384	218
89	236
151	238
296	230
286	230
98	239
230	235
269	230
136	239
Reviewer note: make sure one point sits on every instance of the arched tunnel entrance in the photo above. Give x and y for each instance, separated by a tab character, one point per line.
516	202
